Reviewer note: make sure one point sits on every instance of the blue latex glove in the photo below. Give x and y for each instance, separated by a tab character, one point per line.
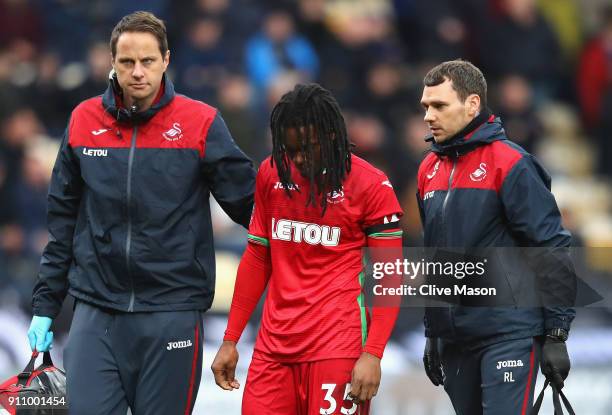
39	335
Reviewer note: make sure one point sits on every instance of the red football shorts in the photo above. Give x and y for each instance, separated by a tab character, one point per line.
309	388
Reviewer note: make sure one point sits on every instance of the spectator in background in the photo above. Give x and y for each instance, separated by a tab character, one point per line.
387	94
280	85
45	90
6	210
68	26
369	135
517	111
242	17
406	154
517	40
23	55
30	194
120	8
604	136
276	49
404	163
18	240
201	59
24	238
10	97
439	32
20	20
234	95
17	132
363	34
311	22
595	72
566	20
595	89
98	67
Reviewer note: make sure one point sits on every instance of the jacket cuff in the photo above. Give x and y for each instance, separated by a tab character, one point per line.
556	323
45	311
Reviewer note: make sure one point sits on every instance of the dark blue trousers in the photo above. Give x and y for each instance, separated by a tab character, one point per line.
498	379
151	362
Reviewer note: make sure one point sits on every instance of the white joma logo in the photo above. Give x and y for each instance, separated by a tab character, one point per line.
509	363
313	234
429	195
179	345
95	152
100	131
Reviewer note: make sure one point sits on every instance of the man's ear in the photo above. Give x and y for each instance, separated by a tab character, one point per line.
472	103
166	59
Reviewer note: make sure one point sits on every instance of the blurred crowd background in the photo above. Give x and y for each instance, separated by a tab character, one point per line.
548	64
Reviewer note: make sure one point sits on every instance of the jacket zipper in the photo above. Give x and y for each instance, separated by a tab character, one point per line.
128	238
450	182
451	309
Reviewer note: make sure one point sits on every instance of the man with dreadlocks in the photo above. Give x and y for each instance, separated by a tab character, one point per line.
316	206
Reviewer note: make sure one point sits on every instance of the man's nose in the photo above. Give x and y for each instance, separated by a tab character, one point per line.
138	72
428	116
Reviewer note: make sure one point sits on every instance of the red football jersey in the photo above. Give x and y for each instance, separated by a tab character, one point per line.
314	306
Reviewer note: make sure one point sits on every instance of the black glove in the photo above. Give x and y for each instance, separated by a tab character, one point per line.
555	361
431	361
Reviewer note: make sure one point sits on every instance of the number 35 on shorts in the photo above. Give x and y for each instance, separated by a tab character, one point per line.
330	405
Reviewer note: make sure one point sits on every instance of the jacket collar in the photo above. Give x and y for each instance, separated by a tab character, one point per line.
483	129
111	100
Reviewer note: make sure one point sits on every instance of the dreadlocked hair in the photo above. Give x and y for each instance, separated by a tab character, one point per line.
311	109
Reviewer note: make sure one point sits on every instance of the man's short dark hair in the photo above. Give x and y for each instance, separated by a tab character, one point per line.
140	21
466	79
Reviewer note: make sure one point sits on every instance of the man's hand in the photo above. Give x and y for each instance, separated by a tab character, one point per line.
39	335
224	366
555	361
365	378
431	361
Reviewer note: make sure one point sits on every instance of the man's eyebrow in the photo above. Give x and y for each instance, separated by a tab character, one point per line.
433	102
128	59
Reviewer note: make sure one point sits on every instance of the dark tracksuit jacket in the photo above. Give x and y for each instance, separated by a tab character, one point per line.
130	237
128	214
481	190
